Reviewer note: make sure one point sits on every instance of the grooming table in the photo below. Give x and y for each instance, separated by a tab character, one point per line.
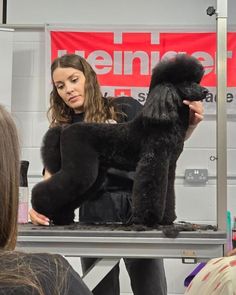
111	243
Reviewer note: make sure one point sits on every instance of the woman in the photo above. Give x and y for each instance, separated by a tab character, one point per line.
76	97
22	273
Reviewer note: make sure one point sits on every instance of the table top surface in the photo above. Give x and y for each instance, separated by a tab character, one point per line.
117	230
119	241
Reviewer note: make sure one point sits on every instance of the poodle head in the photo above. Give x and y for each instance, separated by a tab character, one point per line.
174	80
184	72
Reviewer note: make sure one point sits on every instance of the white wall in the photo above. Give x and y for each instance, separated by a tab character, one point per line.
168	12
109	12
29	102
6	49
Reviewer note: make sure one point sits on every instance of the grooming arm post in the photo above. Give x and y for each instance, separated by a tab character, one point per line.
221	18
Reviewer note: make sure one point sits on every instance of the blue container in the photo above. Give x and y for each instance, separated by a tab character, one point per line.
229	232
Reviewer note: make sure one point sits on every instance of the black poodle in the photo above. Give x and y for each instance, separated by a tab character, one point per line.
150	145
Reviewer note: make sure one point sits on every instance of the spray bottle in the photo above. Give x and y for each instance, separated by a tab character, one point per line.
23	193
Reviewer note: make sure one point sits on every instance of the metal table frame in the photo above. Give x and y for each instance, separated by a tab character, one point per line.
221	28
112	245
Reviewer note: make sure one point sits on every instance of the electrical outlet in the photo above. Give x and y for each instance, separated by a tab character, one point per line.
197	176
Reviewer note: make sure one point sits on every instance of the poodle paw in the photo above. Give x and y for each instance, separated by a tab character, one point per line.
170	231
61	218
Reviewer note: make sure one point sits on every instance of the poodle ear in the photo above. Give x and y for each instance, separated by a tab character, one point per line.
162	104
50	149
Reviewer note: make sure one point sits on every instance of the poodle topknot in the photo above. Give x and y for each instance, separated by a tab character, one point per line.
179	69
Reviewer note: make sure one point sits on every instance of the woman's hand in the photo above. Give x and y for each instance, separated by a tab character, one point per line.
196	112
195	115
38	219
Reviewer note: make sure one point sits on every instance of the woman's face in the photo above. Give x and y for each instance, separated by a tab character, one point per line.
69	83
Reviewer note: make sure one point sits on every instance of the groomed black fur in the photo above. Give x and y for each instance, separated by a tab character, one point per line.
150	144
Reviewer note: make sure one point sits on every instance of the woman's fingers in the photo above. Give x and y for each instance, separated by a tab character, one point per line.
196	111
37	218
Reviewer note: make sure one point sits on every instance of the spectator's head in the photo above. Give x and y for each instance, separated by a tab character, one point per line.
9	180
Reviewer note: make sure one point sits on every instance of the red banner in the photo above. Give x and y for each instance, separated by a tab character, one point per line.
126	59
123	60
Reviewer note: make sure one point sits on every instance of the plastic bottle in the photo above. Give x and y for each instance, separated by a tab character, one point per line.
229	232
23	193
234	233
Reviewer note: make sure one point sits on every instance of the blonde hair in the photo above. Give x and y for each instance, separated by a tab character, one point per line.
95	108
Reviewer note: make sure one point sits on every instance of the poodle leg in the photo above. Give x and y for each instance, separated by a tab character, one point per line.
50	150
169	215
150	188
66	216
52	196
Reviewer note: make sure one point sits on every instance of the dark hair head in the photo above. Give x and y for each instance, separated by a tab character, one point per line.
94	107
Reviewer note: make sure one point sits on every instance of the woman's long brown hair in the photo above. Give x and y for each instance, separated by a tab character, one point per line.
9	180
